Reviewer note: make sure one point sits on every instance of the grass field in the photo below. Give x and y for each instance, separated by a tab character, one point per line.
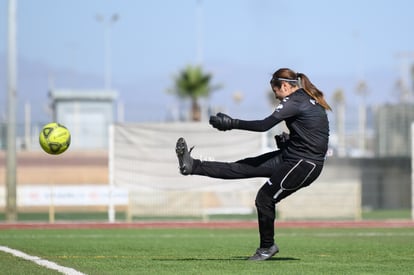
120	216
211	251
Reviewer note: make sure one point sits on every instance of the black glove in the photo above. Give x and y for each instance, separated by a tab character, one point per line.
223	122
282	140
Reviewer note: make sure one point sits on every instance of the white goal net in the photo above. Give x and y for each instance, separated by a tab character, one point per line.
142	158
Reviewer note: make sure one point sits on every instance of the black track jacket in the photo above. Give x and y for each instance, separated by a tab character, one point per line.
308	126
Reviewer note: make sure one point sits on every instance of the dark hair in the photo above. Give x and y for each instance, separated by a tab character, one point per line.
300	80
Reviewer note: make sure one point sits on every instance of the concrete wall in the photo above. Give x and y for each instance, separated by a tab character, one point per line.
385	182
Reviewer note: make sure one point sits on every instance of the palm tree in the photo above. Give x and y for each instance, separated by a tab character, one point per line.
193	83
339	102
362	91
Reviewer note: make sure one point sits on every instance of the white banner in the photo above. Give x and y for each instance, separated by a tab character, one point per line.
85	195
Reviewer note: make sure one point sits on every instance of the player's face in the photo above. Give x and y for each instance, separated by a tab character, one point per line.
279	92
283	91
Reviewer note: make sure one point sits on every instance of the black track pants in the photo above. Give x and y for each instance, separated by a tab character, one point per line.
285	178
260	166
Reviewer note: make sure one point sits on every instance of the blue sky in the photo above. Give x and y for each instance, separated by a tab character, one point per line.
243	42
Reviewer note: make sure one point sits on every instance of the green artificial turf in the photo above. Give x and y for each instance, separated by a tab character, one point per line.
211	251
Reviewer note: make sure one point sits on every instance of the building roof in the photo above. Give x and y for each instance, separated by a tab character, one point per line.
82	95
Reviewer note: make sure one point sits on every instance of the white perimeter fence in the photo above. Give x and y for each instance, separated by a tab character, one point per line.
142	159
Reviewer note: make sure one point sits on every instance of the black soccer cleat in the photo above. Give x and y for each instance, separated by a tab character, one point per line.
263	254
185	161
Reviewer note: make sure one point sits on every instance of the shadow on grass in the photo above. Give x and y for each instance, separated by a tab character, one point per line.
236	258
283	259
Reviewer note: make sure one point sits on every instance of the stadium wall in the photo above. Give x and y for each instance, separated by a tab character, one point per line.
385	182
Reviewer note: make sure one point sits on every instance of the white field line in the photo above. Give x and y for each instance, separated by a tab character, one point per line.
41	262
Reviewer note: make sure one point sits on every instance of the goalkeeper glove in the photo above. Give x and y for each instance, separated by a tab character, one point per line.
282	140
223	122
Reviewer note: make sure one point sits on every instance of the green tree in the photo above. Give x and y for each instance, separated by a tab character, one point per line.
193	83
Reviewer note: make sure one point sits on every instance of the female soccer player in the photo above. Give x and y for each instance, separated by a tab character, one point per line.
297	162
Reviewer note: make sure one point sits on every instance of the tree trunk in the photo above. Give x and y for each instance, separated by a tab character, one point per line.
195	110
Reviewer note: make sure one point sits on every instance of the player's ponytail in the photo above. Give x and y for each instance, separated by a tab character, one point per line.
311	90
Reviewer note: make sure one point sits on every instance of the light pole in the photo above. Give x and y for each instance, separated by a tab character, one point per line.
107	42
199	32
108	24
11	204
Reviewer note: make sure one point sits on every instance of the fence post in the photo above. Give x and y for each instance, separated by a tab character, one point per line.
412	171
52	204
111	206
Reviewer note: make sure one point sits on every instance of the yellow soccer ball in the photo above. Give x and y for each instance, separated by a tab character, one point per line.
54	138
